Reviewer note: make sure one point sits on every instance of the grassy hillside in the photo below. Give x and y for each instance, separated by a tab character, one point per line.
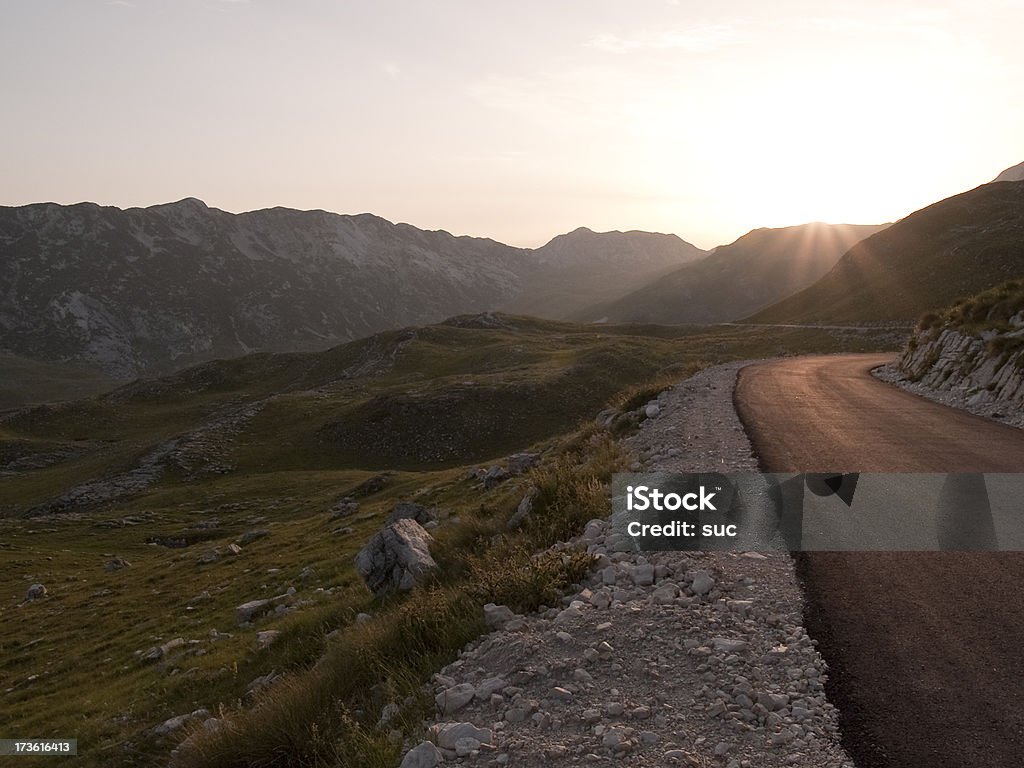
737	279
27	382
167	473
998	309
951	249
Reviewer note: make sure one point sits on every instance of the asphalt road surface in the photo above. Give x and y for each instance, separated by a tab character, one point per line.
926	649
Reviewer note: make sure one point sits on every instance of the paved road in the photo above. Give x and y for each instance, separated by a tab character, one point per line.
926	649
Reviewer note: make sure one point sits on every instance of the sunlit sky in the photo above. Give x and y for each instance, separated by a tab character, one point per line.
514	120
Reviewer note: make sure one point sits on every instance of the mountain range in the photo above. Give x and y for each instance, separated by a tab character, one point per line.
155	289
145	291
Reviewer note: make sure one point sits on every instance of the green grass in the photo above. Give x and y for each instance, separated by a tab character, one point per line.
68	664
28	382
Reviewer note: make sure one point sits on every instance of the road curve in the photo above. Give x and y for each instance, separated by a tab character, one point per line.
926	649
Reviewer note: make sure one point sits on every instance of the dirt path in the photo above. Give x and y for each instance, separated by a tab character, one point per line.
925	648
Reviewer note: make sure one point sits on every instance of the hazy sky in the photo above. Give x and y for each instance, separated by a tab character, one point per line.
514	120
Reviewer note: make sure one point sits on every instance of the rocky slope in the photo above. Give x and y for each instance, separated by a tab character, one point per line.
971	356
155	289
954	248
761	267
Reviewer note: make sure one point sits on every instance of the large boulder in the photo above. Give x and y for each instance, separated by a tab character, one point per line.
397	557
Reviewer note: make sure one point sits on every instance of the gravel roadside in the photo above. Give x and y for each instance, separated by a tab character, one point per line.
659	659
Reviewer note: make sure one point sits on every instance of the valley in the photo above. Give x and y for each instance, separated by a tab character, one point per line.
252	454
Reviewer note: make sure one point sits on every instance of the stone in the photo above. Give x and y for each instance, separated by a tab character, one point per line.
176	723
423	755
495	475
447	735
388	713
117	564
489	687
643	575
524	510
266	637
652	411
35	592
396	558
250	536
172	645
702	583
497	616
453	699
252	609
233	549
560	694
728	644
343	508
665	594
518	463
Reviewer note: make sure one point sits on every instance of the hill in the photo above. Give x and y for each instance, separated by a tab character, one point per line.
1016	173
27	382
757	269
150	290
584	267
954	248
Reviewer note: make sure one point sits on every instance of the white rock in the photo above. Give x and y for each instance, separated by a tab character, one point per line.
490	686
423	755
497	616
455	698
398	557
447	735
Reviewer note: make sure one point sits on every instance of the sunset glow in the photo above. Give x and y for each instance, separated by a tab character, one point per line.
514	121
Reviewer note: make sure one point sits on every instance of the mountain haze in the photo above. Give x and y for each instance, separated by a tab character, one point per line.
757	269
583	267
155	289
954	248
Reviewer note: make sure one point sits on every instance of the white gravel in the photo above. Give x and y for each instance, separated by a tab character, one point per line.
663	659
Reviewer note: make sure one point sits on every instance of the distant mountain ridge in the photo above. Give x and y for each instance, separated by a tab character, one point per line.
756	270
924	262
629	260
154	289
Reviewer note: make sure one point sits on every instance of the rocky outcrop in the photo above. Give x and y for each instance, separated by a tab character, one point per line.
397	557
984	368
